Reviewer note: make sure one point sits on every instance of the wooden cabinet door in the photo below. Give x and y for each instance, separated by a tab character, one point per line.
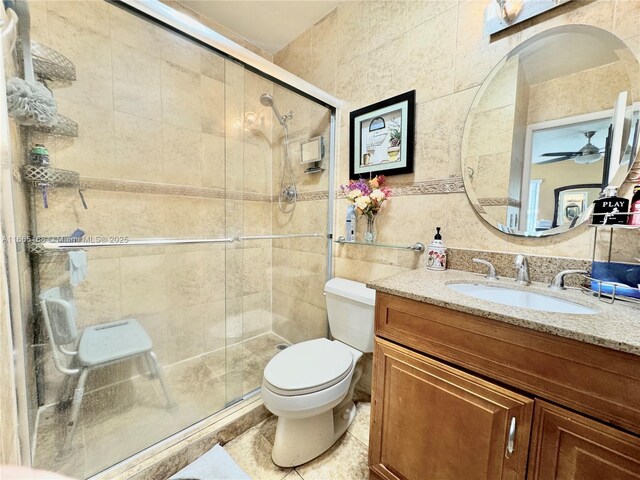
568	446
430	421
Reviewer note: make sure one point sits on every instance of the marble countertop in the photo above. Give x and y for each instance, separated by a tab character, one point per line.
615	326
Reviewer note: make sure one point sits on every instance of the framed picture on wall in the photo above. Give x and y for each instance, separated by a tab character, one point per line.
381	137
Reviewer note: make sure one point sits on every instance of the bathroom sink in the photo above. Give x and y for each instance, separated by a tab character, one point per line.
520	298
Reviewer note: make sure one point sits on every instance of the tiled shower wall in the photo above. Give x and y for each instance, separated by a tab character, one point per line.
363	52
299	264
161	153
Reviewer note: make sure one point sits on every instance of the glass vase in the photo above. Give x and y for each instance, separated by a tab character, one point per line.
370	232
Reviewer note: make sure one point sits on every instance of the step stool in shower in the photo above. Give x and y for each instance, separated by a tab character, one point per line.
99	346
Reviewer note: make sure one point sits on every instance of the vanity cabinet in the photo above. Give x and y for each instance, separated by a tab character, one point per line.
426	414
462	397
568	446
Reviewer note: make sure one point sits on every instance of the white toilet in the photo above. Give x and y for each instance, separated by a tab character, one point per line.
309	386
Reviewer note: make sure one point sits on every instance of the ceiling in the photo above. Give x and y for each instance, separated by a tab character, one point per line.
271	25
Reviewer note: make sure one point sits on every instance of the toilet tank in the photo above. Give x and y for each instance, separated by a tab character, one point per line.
350	308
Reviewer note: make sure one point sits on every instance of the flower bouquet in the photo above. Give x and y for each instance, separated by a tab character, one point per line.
368	196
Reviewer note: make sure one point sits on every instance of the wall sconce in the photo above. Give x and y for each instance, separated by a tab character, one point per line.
501	14
508	9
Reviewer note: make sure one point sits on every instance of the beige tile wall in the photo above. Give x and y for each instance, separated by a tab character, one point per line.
373	50
491	134
153	107
299	265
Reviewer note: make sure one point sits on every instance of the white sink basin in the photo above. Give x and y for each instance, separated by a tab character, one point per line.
520	298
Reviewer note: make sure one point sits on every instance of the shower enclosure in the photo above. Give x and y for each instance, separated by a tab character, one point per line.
183	183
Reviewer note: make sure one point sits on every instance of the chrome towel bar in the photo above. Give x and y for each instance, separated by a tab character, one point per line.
147	242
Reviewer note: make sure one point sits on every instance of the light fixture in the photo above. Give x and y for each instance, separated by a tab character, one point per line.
587	159
508	9
501	14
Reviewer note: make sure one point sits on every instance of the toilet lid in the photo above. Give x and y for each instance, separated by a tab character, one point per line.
308	367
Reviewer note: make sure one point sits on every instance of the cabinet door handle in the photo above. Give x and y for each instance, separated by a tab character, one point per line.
511	441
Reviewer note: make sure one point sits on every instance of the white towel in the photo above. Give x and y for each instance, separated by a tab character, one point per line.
216	464
77	266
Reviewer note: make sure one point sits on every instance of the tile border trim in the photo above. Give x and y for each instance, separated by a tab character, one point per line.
427	187
499	202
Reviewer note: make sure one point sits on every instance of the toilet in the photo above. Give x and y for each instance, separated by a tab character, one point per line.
310	385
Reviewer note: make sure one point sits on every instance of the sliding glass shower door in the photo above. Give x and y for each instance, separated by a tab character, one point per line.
188	246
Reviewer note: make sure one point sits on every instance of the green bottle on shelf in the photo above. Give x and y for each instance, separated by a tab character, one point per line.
39	156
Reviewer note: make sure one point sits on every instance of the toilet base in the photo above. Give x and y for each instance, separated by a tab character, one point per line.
299	440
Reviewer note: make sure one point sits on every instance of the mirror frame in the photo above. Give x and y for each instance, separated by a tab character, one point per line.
619	178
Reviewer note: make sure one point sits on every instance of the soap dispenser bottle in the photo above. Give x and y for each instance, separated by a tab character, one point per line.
350	226
610	209
437	253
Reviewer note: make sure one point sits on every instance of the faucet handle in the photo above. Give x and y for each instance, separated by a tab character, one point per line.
491	274
558	281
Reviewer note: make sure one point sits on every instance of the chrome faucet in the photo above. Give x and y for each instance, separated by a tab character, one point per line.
491	273
522	268
558	281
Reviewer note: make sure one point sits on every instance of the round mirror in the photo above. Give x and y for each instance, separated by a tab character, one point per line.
551	126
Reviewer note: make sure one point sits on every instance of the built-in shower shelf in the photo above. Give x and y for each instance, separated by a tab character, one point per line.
416	247
64	127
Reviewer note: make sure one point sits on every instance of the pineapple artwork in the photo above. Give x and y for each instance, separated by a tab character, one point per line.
394	142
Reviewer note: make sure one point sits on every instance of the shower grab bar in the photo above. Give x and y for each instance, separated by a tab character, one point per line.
142	242
287	235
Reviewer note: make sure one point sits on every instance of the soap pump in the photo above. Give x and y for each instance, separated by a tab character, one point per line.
437	253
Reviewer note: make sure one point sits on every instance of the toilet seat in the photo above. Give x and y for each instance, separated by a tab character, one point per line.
308	367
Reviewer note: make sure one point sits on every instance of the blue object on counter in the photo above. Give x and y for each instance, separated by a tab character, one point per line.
627	275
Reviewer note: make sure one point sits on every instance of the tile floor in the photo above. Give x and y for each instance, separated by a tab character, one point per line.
346	460
121	420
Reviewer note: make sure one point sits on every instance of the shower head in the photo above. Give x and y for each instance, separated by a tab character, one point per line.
267	100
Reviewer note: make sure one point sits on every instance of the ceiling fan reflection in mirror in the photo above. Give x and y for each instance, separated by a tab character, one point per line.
586	155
